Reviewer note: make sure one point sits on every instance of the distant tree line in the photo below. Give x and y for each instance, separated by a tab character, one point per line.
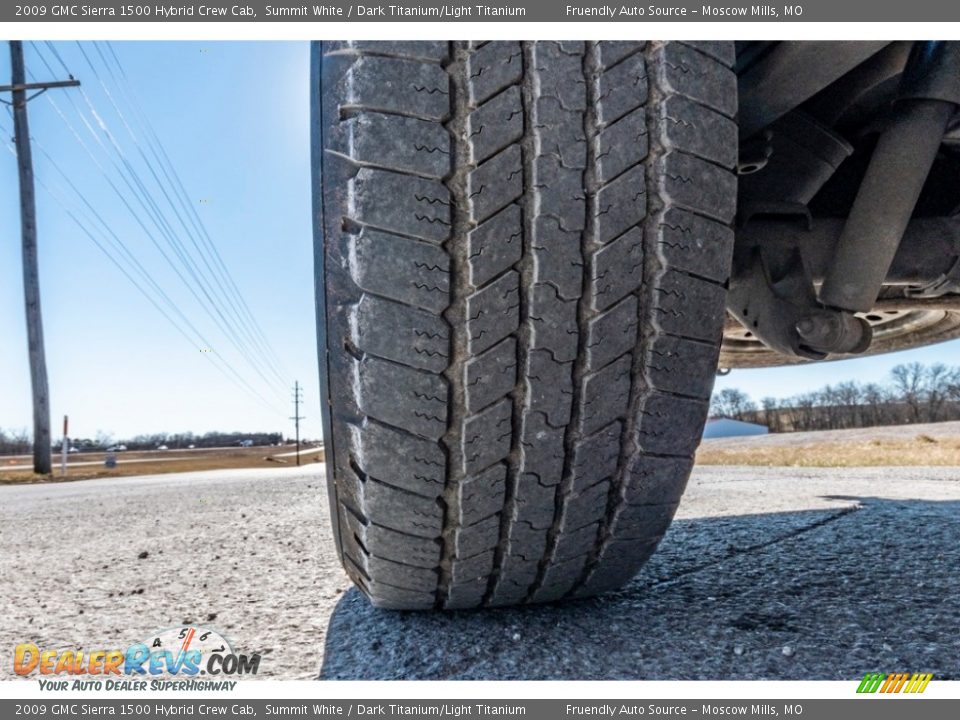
15	442
18	442
914	393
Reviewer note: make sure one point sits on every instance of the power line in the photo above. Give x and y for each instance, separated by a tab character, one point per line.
222	365
139	190
243	323
165	164
141	193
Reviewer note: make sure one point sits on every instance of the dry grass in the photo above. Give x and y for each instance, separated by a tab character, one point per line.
919	450
157	463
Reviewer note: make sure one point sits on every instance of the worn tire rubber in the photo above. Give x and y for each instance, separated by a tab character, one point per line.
521	258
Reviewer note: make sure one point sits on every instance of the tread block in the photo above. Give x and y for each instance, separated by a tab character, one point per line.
474	569
622	145
401	575
595	457
387	597
401	203
621	204
495	184
393	545
542	449
639	522
653	480
402	144
535	502
413	49
605	395
466	595
690	307
670	425
611	334
482	495
613	51
682	366
619	563
402	333
495	124
401	459
493	312
476	539
403	396
616	269
492	68
553	323
486	436
516	576
402	269
549	387
526	544
418	516
695	244
685	71
559	578
559	71
622	89
562	194
393	85
490	375
586	507
723	51
495	245
556	256
698	130
576	542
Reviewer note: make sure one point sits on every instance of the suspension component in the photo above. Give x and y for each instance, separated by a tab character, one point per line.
905	151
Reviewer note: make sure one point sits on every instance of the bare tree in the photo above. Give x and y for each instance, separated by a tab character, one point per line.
731	403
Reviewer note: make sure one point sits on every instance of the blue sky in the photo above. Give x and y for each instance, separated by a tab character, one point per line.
234	120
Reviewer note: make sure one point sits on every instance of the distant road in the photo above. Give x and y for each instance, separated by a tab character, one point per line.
76	459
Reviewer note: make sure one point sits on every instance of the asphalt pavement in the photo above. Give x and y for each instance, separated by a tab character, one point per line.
767	573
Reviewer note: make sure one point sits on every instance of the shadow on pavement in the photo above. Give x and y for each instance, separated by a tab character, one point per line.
818	595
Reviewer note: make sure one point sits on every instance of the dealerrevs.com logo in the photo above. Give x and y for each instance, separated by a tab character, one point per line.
184	652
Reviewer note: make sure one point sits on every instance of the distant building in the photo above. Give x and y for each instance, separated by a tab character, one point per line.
727	427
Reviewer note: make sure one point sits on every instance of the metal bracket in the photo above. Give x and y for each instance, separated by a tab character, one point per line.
770	293
949	282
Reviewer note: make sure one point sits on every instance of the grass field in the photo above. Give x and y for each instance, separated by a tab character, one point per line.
918	445
81	466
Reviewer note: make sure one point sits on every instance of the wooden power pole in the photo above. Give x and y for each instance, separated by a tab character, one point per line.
28	229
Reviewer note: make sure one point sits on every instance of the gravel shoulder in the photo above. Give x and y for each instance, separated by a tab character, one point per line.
774	573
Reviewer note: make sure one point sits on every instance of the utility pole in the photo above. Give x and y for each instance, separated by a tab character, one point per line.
297	417
28	229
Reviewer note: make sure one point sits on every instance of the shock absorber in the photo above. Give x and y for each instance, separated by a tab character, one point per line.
928	98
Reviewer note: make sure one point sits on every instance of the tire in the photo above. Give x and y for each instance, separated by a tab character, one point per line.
521	260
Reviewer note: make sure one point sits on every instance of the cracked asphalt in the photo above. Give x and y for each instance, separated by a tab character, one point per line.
767	573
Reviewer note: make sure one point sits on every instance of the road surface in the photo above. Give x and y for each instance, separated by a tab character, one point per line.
767	573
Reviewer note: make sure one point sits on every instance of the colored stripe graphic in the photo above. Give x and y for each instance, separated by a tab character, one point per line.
870	683
894	682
